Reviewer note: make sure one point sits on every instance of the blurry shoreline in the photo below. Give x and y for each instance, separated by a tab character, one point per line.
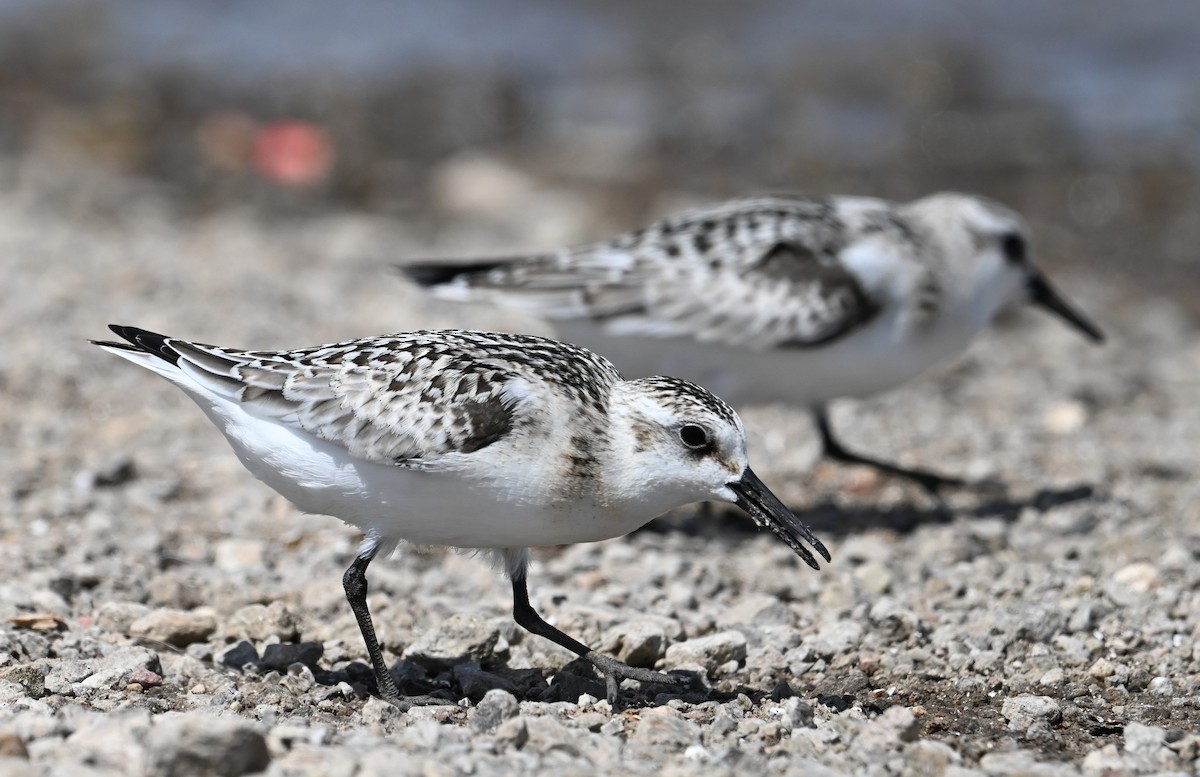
604	116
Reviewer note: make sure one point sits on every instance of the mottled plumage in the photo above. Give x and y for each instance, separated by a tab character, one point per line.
470	439
780	298
409	399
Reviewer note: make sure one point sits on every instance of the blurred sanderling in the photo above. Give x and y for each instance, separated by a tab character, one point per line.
474	440
781	298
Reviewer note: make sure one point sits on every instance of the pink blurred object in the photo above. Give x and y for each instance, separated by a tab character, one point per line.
293	152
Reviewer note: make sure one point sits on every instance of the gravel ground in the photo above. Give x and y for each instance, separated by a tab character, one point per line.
161	613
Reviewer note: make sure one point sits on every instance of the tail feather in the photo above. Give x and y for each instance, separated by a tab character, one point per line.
141	340
429	274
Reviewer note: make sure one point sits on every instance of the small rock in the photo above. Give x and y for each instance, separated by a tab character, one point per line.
39	621
376	712
1052	678
513	732
117	616
1017	763
144	677
892	620
1162	686
1064	417
592	721
1104	761
11	692
929	757
178	628
236	554
1022	711
837	637
1102	668
299	678
1140	738
476	683
198	743
496	707
613	727
258	622
875	576
115	669
117	471
238	655
64	674
640	642
11	745
797	714
1139	576
281	655
663	726
894	726
115	743
710	651
31	677
459	638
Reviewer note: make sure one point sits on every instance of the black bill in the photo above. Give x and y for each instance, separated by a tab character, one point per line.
766	510
1044	295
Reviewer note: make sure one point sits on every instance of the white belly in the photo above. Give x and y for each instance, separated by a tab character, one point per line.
511	507
873	359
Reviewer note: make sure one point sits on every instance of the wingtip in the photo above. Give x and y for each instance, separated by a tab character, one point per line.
141	340
439	273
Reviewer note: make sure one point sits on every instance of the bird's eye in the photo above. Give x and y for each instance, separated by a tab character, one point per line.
1013	247
694	437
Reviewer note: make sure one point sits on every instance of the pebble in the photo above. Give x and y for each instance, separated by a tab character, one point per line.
640	642
1065	417
280	655
198	743
1023	711
11	745
475	683
238	655
1140	577
118	616
178	628
892	728
663	727
710	651
497	706
258	622
236	554
837	637
459	638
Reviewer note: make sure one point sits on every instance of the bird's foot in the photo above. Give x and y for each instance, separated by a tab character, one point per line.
615	671
405	703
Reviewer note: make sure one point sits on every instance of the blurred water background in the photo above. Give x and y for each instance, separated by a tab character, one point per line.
550	122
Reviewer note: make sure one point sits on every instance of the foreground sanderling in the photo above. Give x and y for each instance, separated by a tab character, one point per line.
474	440
781	298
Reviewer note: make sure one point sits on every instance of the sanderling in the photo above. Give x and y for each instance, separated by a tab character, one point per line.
473	440
781	298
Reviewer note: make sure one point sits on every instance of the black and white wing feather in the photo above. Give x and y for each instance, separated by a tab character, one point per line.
405	399
764	272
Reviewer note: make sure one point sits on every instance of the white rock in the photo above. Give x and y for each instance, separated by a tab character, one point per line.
1023	711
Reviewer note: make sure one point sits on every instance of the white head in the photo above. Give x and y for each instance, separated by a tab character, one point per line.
674	443
984	249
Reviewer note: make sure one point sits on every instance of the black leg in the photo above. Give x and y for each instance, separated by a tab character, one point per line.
354	581
932	482
613	670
